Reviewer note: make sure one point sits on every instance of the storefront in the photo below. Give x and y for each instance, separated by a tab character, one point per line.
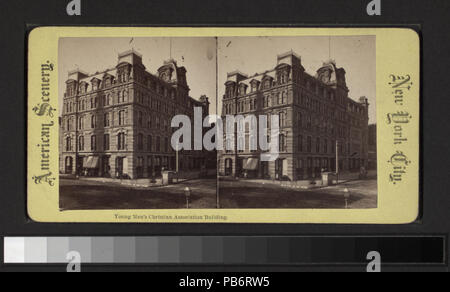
250	166
91	166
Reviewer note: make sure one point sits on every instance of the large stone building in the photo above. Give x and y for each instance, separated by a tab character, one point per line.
116	123
316	117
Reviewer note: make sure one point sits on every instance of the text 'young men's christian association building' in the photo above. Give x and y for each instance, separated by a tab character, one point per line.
117	123
314	113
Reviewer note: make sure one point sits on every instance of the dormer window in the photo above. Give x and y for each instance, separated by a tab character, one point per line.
229	92
254	86
95	84
83	87
242	89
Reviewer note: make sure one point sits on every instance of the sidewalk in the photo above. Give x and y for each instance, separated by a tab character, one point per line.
135	183
304	184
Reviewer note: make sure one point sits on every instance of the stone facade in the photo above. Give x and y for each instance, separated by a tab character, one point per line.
116	123
316	117
372	164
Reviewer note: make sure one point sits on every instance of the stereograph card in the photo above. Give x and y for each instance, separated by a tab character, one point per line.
223	125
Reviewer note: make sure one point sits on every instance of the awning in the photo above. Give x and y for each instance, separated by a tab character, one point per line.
251	164
87	161
95	162
91	162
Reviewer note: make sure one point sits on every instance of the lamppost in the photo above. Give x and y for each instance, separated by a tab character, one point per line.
187	193
346	197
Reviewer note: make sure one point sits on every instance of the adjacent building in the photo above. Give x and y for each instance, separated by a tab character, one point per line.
316	116
117	122
372	164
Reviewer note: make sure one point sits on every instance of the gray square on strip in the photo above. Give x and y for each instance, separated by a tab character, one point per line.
124	250
103	250
146	249
191	249
57	249
36	250
82	245
169	250
213	250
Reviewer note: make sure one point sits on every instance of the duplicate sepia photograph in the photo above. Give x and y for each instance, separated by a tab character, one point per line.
321	91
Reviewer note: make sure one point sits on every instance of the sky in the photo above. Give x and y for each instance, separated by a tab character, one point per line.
206	58
196	54
356	54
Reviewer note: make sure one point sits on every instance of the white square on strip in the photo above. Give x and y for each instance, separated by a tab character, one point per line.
14	250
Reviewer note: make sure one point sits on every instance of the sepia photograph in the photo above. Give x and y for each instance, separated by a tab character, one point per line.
117	99
322	93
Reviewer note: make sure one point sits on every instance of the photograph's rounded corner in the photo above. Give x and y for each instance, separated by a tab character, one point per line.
411	218
37	30
31	214
415	34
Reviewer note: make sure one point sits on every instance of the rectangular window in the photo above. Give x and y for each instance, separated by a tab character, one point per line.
81	143
300	143
93	143
121	141
158	144
121	118
308	144
166	144
318	145
140	142
93	121
106	120
106	141
282	142
149	143
140	119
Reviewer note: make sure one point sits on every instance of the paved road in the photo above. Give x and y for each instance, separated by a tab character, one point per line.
84	195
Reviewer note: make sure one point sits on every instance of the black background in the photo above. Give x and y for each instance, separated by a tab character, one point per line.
430	18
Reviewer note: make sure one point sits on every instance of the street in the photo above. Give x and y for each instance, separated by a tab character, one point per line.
89	195
243	194
93	195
